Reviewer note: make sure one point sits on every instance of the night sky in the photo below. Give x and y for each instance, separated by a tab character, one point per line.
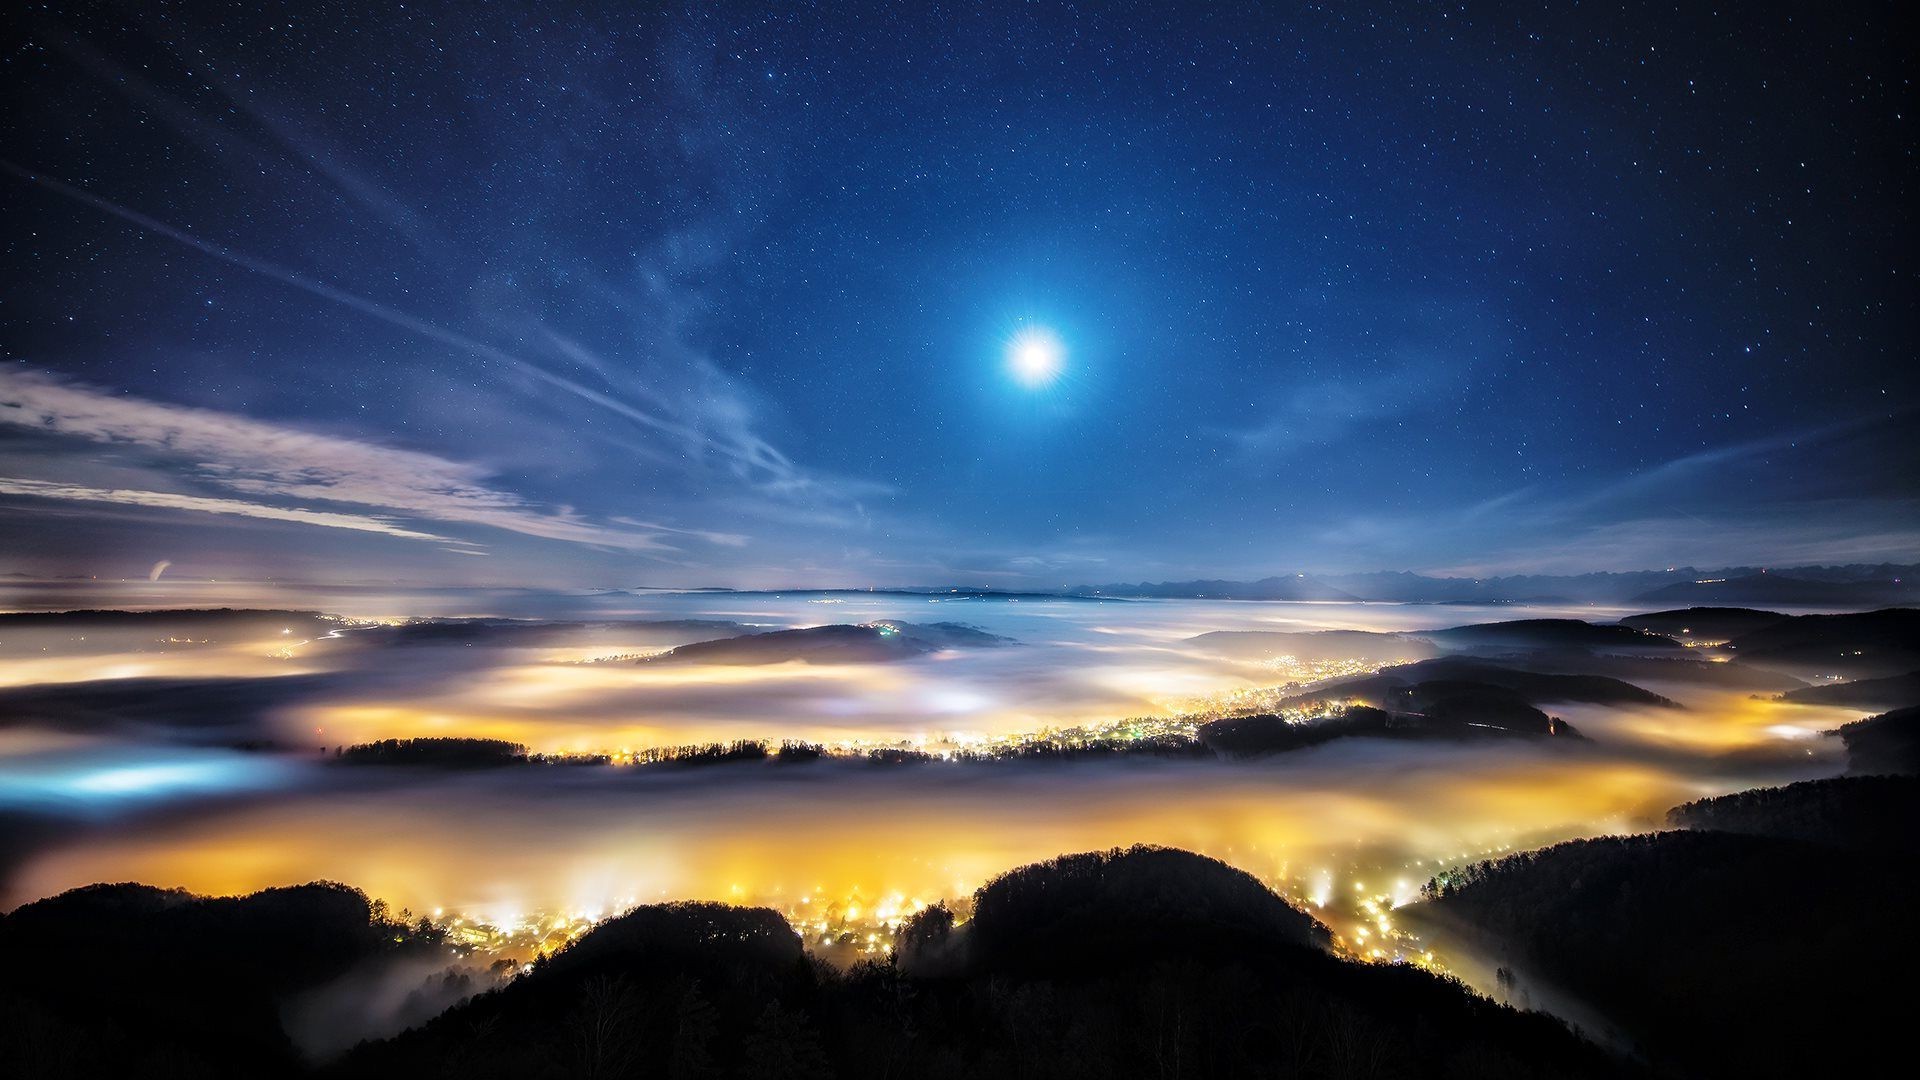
1011	294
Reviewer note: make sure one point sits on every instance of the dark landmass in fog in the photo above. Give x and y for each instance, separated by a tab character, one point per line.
836	644
1703	623
1758	942
1891	691
1089	964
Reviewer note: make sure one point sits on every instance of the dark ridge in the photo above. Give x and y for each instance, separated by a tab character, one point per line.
717	753
1870	813
1267	733
1718	954
1775	590
796	753
836	644
445	753
1077	913
1710	623
1892	692
1864	645
1888	743
684	989
1456	703
1682	666
1533	687
211	708
1066	968
1529	634
130	980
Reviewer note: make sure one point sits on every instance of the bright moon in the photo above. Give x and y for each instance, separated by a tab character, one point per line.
1035	356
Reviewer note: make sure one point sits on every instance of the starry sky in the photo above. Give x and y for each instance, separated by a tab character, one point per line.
738	294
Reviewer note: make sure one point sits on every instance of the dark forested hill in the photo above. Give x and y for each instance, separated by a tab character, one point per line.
1863	645
1888	743
1892	692
1719	954
1523	635
1868	813
129	980
838	644
1703	623
1125	963
1143	962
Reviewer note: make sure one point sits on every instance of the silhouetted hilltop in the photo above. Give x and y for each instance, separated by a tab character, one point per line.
1521	635
1123	963
1533	687
201	709
837	644
1871	813
685	989
1430	711
1703	623
129	980
1719	954
1095	965
1779	590
1268	733
449	753
1888	743
1686	666
1313	645
1080	914
1866	644
1892	692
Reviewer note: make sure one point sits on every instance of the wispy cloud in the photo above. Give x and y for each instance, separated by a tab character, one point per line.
1673	512
273	462
1434	350
169	500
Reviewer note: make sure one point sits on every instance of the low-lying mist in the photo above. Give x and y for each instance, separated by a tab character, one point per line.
203	755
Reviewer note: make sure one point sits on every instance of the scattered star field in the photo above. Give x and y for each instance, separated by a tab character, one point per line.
1010	294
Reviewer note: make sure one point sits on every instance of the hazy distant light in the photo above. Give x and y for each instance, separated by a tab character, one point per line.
1035	356
91	780
147	779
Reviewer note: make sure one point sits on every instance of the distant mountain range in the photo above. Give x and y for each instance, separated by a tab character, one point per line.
1837	586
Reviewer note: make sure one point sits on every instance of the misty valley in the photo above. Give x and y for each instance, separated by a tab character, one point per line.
825	833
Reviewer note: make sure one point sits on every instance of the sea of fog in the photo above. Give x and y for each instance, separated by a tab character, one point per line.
197	762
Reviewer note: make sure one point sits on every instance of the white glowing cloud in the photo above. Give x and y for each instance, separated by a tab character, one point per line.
167	500
269	461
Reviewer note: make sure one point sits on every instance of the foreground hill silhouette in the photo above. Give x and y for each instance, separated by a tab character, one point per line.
1888	743
864	643
1769	948
1126	963
130	980
1874	814
1142	962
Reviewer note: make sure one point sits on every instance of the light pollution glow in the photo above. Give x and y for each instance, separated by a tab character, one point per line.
1355	825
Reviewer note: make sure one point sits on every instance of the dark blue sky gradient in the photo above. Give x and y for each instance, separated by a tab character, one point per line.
1440	287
